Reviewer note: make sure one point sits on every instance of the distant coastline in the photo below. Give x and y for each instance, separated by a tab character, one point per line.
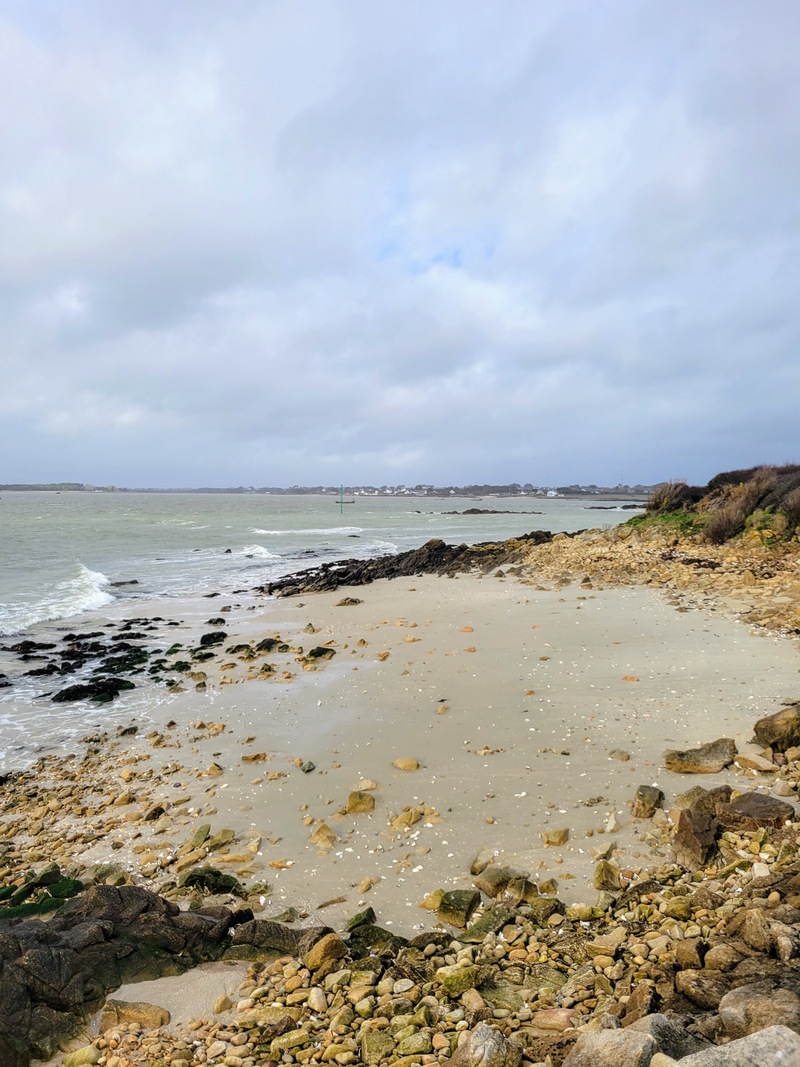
511	490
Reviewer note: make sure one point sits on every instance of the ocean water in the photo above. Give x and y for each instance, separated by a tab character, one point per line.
62	555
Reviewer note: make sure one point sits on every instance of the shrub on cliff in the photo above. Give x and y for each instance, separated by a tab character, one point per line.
764	498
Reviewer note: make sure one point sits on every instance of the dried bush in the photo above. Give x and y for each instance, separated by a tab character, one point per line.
674	496
791	508
734	503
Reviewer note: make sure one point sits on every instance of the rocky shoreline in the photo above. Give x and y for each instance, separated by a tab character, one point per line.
687	960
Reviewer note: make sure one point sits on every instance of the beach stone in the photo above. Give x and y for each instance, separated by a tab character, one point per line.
703	988
457	905
406	763
707	759
491	880
323	838
750	1008
376	1046
750	811
367	916
482	860
780	731
82	1057
492	920
612	1048
123	1012
709	800
673	1040
607	876
556	837
752	926
647	800
486	1047
264	933
722	957
775	1046
752	761
328	949
359	802
693	838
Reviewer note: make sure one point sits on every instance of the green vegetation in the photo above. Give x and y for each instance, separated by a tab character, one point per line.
684	523
762	502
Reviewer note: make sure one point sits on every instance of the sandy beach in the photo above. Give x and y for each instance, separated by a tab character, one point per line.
457	717
526	711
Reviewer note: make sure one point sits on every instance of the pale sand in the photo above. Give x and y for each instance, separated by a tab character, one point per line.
499	763
511	699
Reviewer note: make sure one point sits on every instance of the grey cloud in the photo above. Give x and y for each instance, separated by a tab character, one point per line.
547	242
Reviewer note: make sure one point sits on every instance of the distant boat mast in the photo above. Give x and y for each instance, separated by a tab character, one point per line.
342	500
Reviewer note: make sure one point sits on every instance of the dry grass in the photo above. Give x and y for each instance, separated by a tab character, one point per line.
733	503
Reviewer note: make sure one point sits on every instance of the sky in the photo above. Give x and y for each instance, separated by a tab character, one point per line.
277	242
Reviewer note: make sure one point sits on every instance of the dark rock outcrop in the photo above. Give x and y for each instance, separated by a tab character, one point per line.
434	557
52	974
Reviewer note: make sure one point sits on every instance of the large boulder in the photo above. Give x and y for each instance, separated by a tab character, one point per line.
781	730
707	759
751	1008
751	811
693	838
52	975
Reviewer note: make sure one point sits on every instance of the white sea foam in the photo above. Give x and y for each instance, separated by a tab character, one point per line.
86	591
313	531
259	552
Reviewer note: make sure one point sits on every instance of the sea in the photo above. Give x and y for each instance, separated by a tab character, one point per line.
78	559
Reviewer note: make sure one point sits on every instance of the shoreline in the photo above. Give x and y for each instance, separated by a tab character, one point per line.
509	695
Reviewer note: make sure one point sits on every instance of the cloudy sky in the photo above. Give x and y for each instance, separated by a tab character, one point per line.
272	242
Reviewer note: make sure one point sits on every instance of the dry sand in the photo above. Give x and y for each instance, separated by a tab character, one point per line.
510	699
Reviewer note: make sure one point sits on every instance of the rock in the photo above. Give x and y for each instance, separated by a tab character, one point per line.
750	1008
406	763
752	761
752	926
482	860
323	838
457	979
486	1047
722	957
647	800
781	730
55	973
673	1040
612	1048
359	802
776	1046
607	877
556	837
82	1057
124	1012
493	881
707	759
693	839
492	920
376	1046
99	690
644	1000
265	933
703	988
457	905
326	950
750	811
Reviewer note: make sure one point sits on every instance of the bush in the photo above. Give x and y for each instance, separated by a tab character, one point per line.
791	508
674	496
734	503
